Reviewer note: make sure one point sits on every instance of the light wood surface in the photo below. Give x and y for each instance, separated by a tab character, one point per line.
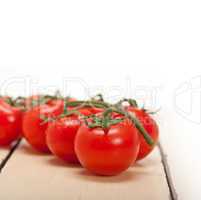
3	152
30	175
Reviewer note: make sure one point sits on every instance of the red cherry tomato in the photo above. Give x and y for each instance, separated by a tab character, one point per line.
10	123
60	136
95	110
33	126
150	126
70	99
5	98
107	151
29	101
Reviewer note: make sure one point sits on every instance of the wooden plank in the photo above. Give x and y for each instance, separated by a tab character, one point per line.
29	175
166	167
181	141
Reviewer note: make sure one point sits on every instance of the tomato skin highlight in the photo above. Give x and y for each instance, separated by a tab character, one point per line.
10	123
60	136
150	126
107	152
34	129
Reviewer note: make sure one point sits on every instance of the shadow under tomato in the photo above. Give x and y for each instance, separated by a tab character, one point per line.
145	162
54	161
8	146
123	177
27	149
5	147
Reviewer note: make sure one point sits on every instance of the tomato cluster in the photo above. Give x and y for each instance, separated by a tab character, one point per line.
104	138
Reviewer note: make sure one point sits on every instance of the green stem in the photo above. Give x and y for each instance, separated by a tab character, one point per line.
117	109
99	96
92	103
137	123
132	102
65	107
107	112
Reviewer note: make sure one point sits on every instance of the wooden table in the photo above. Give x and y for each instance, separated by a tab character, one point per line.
27	174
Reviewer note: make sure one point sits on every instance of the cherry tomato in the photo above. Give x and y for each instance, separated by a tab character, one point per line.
34	100
150	126
34	127
95	110
29	101
6	98
107	151
70	99
60	136
10	123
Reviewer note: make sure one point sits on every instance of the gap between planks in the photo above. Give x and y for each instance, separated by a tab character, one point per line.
173	193
8	156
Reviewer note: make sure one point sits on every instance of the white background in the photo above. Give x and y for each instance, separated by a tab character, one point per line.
146	49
